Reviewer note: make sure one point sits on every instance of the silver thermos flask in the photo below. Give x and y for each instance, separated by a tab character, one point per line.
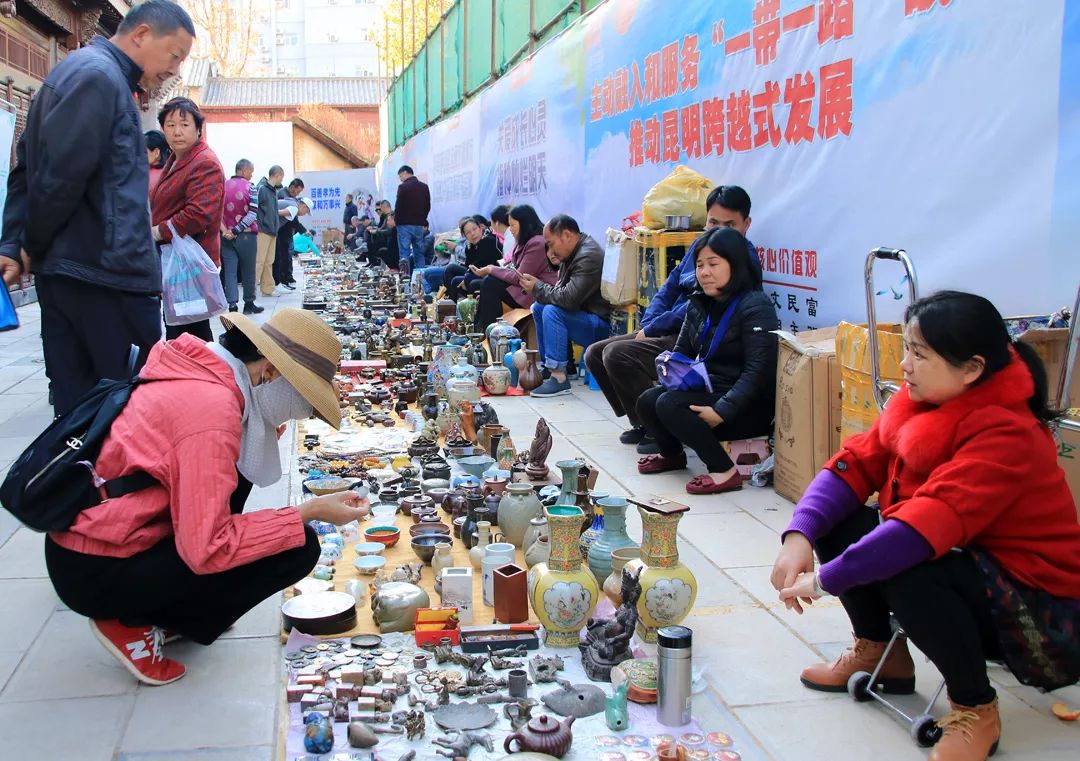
674	675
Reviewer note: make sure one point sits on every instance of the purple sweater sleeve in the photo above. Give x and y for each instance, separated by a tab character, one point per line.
890	548
826	502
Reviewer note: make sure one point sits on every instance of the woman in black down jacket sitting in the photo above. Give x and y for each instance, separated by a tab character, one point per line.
741	368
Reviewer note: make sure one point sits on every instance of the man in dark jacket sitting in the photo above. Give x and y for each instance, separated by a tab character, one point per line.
572	309
77	214
625	366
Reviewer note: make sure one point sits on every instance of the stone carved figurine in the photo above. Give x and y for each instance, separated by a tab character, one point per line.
537	468
607	640
499	663
462	743
414	725
544	669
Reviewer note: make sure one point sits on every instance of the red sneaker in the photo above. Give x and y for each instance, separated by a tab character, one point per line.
139	651
704	484
661	463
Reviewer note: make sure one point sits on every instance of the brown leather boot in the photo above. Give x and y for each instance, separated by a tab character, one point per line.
897	675
970	734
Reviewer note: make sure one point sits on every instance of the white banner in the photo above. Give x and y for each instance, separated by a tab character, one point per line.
928	125
7	135
327	190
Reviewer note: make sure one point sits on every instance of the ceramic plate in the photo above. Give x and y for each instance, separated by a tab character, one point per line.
366	640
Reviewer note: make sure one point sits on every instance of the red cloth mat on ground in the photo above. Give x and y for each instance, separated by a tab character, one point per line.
512	391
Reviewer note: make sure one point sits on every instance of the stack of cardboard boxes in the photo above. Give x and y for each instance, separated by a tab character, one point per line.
822	394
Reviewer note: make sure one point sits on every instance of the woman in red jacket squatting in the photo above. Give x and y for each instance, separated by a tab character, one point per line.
174	559
976	549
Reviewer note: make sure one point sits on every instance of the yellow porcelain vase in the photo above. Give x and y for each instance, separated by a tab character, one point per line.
668	588
562	591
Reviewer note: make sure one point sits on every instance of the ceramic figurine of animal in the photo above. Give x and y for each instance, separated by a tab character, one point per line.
615	711
462	743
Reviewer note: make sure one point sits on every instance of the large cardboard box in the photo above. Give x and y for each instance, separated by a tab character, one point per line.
1051	344
1069	459
807	409
860	408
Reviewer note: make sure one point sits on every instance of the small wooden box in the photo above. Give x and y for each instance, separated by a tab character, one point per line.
482	639
432	624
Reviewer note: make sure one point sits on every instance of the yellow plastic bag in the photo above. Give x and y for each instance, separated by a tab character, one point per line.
682	192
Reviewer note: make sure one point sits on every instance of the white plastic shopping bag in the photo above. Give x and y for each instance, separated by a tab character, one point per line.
190	284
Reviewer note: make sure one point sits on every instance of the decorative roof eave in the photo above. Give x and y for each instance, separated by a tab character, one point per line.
332	143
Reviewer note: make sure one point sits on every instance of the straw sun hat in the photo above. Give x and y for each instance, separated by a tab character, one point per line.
304	350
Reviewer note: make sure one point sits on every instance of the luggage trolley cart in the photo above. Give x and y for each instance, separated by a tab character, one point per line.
1064	380
861	686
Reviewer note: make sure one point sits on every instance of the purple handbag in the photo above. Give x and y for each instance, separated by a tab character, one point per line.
678	372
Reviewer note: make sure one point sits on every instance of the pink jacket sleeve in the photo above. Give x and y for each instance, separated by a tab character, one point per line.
532	260
202	476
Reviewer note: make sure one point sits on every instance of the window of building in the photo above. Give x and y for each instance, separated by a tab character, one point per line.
28	57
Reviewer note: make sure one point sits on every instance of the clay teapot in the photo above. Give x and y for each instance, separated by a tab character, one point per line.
543	735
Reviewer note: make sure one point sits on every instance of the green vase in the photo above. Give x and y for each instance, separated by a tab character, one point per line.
611	538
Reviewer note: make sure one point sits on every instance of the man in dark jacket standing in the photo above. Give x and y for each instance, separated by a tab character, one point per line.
269	222
349	213
77	214
283	274
572	309
411	213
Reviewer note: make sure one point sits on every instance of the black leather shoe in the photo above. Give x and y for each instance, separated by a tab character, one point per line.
232	307
252	308
648	445
633	436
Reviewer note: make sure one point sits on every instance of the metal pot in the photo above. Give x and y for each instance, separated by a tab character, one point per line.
677	222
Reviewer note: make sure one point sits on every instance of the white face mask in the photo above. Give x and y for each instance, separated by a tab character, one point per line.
278	402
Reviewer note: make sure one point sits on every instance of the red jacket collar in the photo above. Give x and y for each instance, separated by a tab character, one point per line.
923	435
174	164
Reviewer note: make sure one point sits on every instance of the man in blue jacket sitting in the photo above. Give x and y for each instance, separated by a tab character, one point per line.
625	366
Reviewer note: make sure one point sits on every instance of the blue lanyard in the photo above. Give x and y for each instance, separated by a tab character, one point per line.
721	329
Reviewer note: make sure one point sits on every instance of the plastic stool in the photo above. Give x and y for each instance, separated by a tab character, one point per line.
590	379
746	453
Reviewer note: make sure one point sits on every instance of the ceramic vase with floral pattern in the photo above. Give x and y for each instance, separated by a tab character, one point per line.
668	588
562	592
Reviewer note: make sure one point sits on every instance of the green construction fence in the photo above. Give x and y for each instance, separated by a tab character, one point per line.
474	44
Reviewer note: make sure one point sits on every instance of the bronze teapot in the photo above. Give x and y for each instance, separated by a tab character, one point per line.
542	735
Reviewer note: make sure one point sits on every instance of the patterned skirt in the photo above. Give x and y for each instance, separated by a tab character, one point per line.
1039	633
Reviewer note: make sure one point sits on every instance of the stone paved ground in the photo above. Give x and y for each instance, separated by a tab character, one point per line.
62	696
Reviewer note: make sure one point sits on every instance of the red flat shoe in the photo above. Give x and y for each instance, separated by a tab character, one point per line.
704	484
661	463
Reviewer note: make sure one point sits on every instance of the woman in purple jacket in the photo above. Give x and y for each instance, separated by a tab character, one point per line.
500	284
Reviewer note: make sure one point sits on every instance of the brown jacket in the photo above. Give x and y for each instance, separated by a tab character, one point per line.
578	288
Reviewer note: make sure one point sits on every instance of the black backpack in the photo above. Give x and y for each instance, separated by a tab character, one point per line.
54	478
